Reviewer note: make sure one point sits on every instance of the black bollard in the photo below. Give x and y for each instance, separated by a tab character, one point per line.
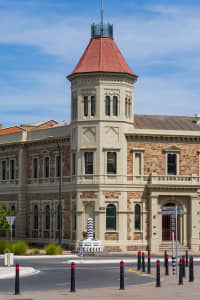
17	285
158	273
166	265
143	262
122	275
183	259
165	254
191	270
186	258
149	262
139	261
73	287
181	272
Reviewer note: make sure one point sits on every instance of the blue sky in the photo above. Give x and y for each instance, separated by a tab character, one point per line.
42	40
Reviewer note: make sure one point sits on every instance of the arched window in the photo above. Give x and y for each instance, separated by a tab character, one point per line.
137	217
107	105
93	106
86	106
111	217
115	106
35	217
47	217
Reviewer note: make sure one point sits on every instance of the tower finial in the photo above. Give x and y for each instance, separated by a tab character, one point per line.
102	12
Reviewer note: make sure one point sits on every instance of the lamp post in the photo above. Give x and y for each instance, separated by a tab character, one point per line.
59	194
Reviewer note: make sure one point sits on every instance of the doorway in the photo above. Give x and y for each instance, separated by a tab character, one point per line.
167	225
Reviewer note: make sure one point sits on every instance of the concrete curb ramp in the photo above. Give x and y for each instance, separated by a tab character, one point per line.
9	272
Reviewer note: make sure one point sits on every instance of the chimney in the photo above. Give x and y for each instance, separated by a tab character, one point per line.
197	116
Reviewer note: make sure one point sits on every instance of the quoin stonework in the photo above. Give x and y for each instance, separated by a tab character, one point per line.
117	167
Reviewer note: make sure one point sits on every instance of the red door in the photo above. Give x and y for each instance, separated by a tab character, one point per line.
167	228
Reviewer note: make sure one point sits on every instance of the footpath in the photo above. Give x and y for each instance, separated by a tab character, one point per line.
169	290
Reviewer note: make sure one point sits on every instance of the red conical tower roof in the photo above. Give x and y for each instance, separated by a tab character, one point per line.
102	55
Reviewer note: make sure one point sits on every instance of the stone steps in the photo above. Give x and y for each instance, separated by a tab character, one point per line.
168	247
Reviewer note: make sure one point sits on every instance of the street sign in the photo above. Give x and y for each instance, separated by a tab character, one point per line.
10	220
171	210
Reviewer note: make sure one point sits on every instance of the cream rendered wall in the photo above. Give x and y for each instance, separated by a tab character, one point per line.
100	134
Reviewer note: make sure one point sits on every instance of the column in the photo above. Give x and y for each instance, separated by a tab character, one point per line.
194	242
153	225
22	201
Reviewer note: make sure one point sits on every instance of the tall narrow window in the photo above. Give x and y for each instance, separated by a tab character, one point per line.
12	169
126	107
138	164
137	217
46	167
93	105
111	217
115	106
171	164
107	106
74	107
3	170
111	162
35	168
129	108
74	164
35	217
47	217
88	162
58	166
86	106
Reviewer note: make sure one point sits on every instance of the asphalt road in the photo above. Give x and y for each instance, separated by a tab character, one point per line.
55	274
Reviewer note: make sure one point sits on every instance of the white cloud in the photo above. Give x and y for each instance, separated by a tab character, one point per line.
168	40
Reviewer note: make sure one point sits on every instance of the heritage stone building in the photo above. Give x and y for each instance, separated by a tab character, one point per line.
117	167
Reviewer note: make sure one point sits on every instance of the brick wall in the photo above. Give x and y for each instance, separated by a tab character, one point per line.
154	157
88	195
111	195
113	236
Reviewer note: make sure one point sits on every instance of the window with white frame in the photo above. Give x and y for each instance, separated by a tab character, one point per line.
85	101
35	217
107	106
111	217
47	217
172	160
73	163
3	170
171	164
137	217
12	169
111	162
35	168
46	167
115	106
93	106
89	163
138	161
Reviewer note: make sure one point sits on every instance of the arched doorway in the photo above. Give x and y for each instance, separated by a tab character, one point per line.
167	224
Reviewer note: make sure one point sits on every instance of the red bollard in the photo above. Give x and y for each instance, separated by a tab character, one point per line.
158	273
139	261
122	275
73	288
17	286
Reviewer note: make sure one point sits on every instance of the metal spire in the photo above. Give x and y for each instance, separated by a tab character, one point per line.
101	12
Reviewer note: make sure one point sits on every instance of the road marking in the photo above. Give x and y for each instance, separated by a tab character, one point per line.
134	271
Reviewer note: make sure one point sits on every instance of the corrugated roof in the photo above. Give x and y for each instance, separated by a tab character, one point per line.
166	122
12	129
102	55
